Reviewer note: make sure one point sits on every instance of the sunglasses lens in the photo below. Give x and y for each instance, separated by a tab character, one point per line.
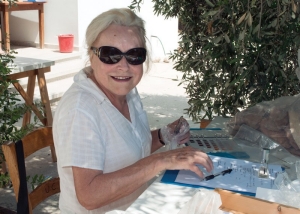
136	56
110	55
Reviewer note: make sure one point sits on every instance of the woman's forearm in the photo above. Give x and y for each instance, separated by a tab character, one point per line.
95	189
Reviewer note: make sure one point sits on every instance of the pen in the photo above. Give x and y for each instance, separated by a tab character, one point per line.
209	177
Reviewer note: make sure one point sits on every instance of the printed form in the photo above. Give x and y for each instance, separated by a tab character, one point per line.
243	178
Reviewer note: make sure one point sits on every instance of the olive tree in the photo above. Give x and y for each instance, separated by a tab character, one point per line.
234	53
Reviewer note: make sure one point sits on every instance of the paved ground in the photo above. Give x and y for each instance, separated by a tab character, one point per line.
163	100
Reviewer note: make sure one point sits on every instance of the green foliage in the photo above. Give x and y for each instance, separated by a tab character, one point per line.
4	180
11	2
35	180
11	111
234	53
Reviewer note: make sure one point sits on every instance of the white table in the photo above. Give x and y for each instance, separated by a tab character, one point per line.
162	198
32	69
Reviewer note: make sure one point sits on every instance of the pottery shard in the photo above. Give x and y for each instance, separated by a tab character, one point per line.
294	152
279	117
268	124
272	134
251	116
291	139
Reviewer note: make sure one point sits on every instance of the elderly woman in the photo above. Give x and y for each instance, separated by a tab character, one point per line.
101	133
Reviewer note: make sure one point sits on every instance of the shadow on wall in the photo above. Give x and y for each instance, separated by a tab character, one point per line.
16	32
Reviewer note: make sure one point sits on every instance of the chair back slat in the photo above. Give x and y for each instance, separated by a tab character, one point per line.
37	140
43	191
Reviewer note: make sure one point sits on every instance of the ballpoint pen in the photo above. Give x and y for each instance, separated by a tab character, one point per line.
209	177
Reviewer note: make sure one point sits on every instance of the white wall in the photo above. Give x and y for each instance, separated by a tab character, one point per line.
59	19
73	17
165	30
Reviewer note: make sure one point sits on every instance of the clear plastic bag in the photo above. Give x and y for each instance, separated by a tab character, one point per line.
289	192
255	137
255	142
278	120
173	134
205	201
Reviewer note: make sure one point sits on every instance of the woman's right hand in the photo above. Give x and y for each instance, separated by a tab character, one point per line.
187	158
93	187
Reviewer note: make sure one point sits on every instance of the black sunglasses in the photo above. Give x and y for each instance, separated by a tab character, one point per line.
112	55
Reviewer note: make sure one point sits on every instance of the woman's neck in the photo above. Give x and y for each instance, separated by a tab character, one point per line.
120	102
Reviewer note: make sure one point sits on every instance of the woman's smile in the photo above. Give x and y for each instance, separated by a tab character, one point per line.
121	78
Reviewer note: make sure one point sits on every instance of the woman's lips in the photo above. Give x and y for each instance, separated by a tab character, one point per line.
121	78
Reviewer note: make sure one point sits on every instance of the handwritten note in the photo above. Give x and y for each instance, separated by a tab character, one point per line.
243	178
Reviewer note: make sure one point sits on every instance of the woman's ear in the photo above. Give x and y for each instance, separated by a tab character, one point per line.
91	57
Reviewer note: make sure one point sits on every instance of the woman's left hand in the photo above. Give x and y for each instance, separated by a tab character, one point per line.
177	132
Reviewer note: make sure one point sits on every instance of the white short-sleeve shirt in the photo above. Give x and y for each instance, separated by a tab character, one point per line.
89	132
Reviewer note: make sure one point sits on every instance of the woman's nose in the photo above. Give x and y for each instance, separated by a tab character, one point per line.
123	63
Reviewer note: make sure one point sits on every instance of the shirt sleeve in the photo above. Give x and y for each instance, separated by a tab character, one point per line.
79	142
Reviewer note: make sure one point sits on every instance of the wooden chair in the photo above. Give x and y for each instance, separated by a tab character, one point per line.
31	143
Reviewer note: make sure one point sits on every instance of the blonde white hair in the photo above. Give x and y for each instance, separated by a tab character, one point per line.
118	16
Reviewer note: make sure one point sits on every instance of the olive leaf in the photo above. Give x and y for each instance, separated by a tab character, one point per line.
241	19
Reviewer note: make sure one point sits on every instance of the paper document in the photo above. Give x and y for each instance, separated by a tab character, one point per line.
243	178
